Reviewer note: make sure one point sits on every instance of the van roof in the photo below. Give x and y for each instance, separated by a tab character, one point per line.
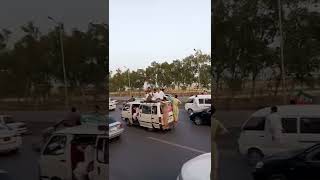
201	96
82	129
291	110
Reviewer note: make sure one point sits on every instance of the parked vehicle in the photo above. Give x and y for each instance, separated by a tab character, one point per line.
192	106
198	168
8	120
203	117
10	140
150	115
291	165
301	124
60	154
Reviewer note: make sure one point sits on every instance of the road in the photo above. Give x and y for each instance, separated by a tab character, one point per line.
144	155
232	164
141	154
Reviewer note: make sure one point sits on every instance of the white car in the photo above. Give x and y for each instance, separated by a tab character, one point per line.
115	128
8	120
198	168
112	105
193	106
10	140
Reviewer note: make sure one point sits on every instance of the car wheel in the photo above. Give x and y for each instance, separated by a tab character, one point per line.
197	120
277	177
190	111
254	156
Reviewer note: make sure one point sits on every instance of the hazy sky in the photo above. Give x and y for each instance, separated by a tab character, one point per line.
73	13
142	31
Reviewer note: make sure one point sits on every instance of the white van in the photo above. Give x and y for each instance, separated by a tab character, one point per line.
60	155
193	106
150	114
301	124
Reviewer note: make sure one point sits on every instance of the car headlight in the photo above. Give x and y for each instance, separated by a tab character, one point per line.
259	165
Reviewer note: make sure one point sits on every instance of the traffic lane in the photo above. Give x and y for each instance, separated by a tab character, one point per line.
23	164
185	133
141	154
233	166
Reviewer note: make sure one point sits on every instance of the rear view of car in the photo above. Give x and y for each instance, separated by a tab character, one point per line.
9	139
115	128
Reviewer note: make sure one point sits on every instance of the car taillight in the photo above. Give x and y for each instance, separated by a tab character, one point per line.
120	126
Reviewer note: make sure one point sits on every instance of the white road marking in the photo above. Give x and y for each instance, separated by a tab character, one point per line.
177	145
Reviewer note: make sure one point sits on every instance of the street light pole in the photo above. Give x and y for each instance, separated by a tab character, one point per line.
283	72
60	25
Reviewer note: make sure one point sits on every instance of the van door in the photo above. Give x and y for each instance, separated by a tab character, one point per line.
145	117
290	132
125	114
309	131
101	164
253	135
53	159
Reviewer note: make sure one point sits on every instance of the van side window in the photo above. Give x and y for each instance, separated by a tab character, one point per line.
310	125
102	151
289	125
207	101
201	101
146	109
154	110
56	146
255	124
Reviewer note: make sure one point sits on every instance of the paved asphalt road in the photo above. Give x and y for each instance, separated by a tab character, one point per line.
140	154
144	155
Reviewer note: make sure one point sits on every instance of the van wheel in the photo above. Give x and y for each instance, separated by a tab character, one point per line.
277	177
197	121
254	156
190	111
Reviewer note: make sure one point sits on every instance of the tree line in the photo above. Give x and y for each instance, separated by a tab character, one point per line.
246	46
180	73
31	66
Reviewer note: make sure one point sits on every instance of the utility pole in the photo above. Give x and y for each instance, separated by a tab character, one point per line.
60	25
283	72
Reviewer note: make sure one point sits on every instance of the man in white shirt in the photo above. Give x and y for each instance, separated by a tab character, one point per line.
275	125
161	94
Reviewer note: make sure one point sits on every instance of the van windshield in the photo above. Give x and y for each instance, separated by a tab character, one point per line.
255	124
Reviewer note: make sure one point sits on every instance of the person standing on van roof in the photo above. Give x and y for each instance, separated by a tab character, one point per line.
175	104
217	129
161	94
72	118
275	124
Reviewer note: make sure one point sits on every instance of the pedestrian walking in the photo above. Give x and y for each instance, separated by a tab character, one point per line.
217	129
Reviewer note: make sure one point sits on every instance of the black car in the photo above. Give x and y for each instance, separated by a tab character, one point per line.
4	175
293	165
203	117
